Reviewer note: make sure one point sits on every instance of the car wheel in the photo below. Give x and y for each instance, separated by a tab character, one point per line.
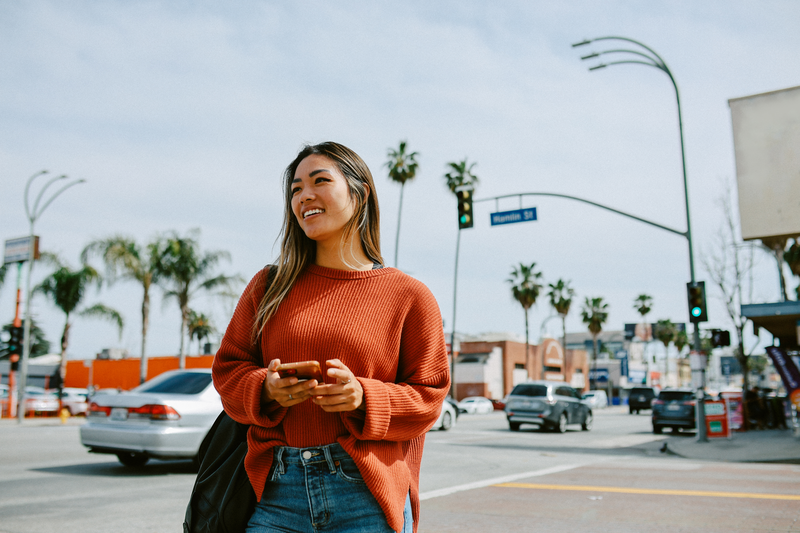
447	421
132	459
587	422
562	423
513	426
658	430
631	410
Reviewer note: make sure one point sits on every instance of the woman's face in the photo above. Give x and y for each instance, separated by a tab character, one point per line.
321	199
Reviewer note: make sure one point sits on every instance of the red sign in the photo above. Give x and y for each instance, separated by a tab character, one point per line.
717	419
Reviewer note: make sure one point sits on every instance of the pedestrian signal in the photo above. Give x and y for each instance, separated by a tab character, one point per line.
696	293
720	337
464	195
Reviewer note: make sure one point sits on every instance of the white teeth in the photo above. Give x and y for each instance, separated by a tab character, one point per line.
312	212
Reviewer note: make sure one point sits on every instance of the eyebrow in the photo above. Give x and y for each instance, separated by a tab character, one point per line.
312	174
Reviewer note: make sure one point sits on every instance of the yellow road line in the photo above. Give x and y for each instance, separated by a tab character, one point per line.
664	492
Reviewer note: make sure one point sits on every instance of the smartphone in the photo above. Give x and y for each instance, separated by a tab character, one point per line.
302	371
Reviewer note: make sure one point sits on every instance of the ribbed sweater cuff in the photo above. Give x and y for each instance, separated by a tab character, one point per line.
264	415
374	423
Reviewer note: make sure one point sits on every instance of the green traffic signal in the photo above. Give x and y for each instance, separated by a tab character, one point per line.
696	293
464	207
14	345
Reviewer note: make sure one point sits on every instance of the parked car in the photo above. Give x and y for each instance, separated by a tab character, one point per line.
454	404
548	405
674	408
596	399
74	400
165	418
447	417
498	405
640	398
476	405
40	402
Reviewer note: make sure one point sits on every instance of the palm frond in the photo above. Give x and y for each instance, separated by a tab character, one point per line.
105	313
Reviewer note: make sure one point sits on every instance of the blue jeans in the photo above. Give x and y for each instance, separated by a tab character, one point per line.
316	490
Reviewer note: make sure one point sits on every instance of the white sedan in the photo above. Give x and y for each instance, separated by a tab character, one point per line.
476	405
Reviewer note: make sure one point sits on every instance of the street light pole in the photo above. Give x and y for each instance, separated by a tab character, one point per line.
652	59
33	213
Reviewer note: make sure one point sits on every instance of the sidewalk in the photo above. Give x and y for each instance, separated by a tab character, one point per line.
765	446
43	421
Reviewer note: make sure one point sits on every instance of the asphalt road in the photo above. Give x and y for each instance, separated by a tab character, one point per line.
479	476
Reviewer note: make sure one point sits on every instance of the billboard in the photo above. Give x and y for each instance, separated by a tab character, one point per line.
766	141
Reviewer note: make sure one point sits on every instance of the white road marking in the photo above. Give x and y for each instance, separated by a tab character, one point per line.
496	480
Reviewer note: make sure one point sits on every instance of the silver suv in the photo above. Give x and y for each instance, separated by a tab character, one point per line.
548	405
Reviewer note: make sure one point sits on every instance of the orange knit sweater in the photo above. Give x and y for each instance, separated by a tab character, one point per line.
387	328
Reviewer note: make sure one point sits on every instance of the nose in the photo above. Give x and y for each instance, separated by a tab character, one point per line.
305	195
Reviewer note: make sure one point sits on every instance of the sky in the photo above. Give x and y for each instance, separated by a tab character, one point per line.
183	115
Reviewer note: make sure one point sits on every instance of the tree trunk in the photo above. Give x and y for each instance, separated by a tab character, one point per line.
184	323
62	368
564	335
666	365
145	324
593	382
528	364
399	214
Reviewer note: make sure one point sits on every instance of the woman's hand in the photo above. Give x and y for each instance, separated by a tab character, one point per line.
286	391
346	395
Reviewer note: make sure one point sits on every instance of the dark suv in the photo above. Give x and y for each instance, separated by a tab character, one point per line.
640	398
674	408
547	404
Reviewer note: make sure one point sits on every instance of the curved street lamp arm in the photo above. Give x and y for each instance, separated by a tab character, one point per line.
36	210
616	38
62	189
601	206
633	61
656	63
28	188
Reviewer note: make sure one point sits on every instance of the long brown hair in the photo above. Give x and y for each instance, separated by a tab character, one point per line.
297	250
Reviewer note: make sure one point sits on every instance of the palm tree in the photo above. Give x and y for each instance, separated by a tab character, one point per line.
199	327
561	299
187	271
525	288
402	168
594	314
460	174
665	332
126	259
644	304
67	288
3	270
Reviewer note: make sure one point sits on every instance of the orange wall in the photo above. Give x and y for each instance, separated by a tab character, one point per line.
124	373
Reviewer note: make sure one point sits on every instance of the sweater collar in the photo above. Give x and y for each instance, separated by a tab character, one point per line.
347	274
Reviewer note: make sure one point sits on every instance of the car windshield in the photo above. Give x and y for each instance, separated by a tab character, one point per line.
642	392
675	395
530	390
183	383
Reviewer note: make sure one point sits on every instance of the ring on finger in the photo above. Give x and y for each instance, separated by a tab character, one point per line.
290	396
346	382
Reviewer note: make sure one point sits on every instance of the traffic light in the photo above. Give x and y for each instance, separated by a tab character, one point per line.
696	293
464	195
14	345
720	337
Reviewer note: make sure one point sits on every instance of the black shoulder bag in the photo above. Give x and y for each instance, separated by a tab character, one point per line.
222	498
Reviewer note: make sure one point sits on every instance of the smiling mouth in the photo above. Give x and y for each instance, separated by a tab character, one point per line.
312	212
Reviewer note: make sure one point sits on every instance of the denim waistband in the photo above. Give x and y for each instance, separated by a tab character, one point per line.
329	453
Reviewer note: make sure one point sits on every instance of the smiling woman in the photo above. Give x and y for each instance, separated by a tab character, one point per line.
342	451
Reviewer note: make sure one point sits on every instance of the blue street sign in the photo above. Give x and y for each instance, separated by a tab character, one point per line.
517	215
